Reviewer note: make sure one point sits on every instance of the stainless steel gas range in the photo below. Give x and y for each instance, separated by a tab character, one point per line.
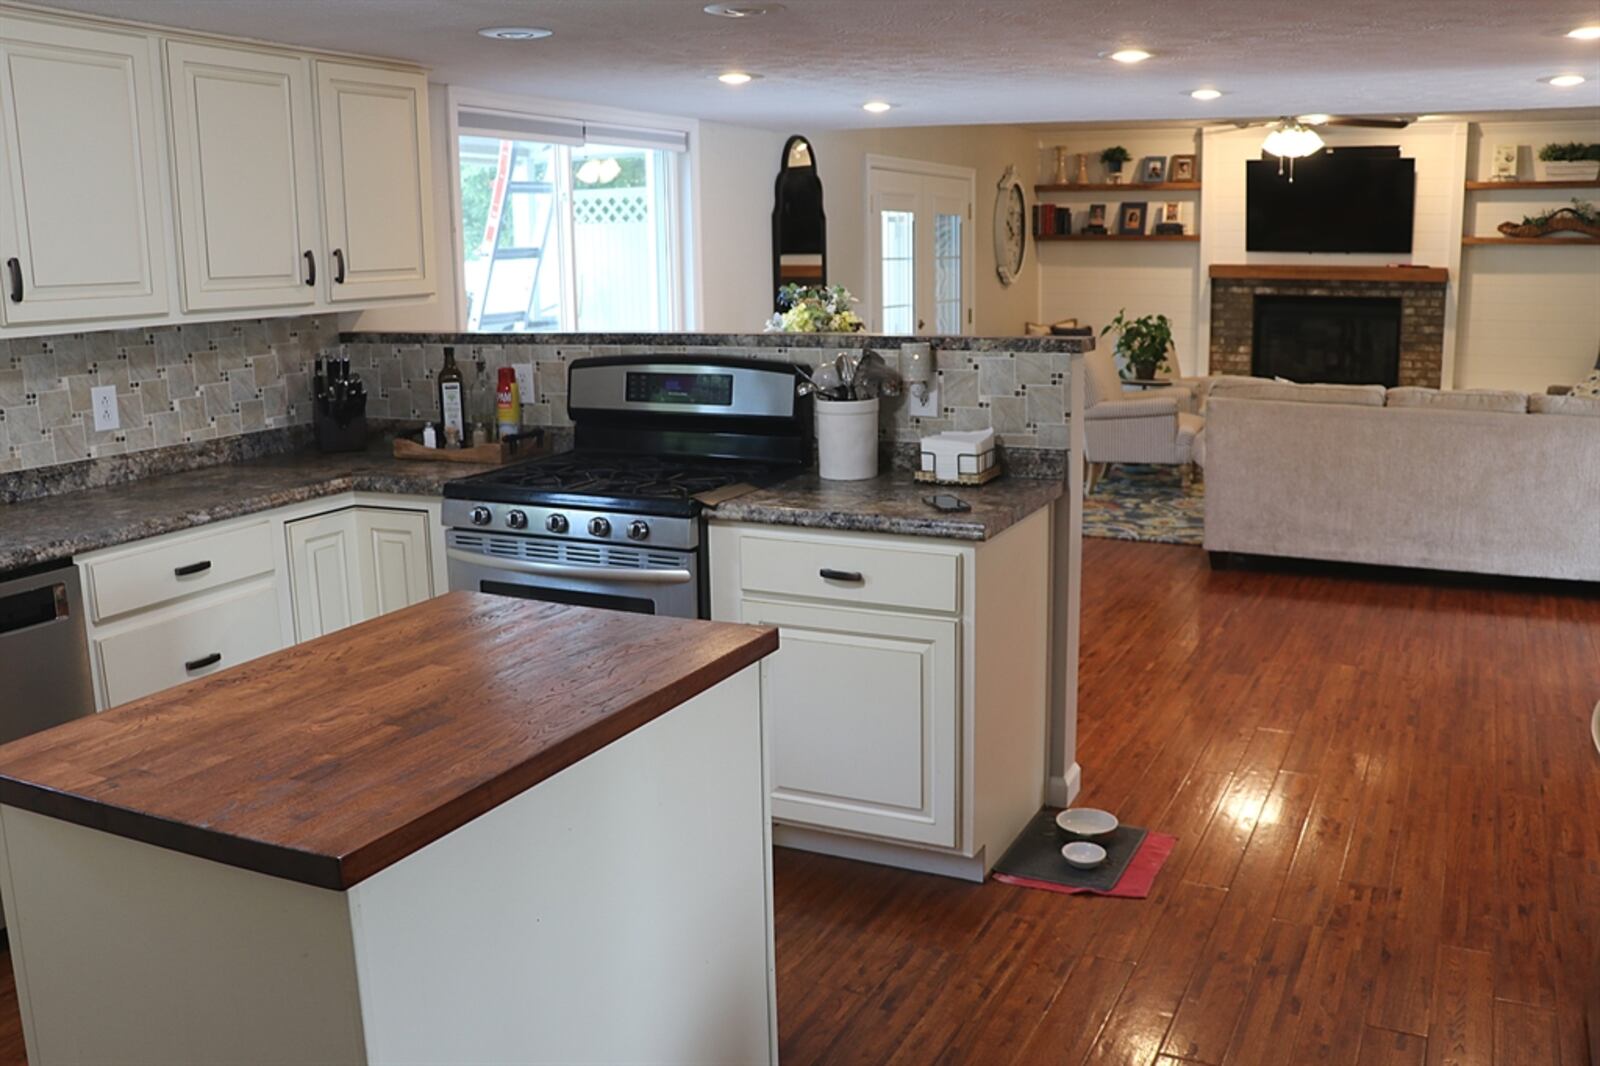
618	521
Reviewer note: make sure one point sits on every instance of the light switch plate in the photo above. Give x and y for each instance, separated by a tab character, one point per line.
103	398
925	408
526	390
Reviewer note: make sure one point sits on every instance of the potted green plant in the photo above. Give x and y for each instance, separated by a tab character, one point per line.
1568	162
1113	158
1143	343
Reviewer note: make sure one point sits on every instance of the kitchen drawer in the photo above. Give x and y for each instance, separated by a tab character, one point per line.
164	572
219	631
850	572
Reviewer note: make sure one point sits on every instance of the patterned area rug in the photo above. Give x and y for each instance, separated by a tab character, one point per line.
1146	503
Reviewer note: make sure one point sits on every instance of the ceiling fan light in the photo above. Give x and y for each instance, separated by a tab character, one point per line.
1292	140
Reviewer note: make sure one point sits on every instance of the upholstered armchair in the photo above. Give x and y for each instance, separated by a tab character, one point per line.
1156	426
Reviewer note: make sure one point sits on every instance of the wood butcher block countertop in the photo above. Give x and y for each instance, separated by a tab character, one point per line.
329	761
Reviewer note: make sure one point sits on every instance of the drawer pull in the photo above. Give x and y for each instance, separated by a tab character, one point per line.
193	568
204	661
852	576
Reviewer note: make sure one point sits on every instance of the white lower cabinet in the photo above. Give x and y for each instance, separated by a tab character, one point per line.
355	564
905	711
173	608
889	683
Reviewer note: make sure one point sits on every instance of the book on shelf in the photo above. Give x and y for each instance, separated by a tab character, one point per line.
1051	220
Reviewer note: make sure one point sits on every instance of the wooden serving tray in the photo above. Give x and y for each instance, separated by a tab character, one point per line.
493	454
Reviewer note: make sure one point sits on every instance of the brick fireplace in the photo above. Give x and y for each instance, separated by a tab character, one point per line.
1419	290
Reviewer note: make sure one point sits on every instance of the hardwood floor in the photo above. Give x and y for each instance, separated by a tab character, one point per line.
1388	819
1388	812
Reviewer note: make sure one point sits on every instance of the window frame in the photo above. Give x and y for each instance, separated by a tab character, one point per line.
680	287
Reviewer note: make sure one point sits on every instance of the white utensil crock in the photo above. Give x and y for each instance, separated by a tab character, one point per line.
847	439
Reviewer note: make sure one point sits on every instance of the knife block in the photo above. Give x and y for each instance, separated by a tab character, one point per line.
335	436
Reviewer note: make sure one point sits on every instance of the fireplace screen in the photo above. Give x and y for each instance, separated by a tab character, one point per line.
1340	339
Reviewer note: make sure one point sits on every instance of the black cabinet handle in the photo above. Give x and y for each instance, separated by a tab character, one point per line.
852	576
338	266
193	568
14	265
311	268
204	661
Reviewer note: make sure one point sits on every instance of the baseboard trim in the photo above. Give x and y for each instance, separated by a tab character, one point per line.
1061	791
882	853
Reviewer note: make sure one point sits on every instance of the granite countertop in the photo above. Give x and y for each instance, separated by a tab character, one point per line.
892	503
58	527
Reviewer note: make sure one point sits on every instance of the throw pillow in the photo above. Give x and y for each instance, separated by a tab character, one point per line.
1589	386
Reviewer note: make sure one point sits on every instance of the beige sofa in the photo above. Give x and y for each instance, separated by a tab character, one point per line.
1494	483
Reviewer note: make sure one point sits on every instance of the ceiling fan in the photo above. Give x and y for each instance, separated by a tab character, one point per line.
1296	137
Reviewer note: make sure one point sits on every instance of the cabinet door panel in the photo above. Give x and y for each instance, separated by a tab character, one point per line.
244	154
862	723
376	187
323	575
396	568
218	632
83	212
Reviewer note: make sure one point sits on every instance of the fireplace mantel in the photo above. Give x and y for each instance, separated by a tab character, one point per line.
1400	275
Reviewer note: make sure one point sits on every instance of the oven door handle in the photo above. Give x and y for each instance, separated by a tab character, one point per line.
584	573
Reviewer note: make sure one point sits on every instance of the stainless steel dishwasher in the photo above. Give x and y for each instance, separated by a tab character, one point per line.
44	650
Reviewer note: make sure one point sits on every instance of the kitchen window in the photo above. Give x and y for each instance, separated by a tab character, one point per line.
567	226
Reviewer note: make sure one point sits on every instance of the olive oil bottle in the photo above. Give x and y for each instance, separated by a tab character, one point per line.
451	401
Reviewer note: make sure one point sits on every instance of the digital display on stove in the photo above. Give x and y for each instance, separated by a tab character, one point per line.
702	390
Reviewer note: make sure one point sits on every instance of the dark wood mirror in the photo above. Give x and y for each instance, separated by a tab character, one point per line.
799	227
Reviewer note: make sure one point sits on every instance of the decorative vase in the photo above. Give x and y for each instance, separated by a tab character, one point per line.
1061	165
1083	168
847	439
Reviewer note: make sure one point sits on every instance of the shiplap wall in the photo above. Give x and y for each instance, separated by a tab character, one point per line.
1092	281
1529	317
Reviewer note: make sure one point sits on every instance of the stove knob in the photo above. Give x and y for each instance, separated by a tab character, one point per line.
600	527
556	523
638	530
517	520
482	516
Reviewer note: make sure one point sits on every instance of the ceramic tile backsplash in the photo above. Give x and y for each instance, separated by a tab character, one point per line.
1021	394
175	385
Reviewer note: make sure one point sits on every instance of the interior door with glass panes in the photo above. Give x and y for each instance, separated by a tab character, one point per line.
920	250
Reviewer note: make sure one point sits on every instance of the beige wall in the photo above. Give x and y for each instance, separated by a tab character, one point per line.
737	170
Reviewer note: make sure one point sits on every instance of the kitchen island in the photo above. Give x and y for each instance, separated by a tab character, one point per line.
476	829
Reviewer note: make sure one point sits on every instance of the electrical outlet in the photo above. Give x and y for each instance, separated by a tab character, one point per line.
526	389
104	400
928	406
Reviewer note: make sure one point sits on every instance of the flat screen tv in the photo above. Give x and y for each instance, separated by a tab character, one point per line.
1341	200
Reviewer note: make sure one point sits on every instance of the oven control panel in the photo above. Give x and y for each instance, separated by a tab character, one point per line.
571	523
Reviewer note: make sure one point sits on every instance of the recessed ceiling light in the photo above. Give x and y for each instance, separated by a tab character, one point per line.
1585	33
741	11
1128	55
1206	94
877	107
737	77
1566	81
515	33
1317	119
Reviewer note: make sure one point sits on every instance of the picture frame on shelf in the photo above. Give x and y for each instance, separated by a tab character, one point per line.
1153	170
1182	168
1131	218
1170	221
1503	163
1096	225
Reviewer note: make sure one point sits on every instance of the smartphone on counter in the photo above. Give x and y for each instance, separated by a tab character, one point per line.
943	501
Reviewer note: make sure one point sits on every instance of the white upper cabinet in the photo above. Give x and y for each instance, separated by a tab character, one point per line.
82	224
376	193
245	170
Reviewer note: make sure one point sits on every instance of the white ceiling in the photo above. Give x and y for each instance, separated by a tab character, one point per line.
956	61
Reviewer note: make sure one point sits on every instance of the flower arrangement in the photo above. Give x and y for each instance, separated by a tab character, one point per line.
815	309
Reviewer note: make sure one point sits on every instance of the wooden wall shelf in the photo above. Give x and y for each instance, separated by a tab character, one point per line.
1485	186
1160	186
1047	237
1316	272
1579	241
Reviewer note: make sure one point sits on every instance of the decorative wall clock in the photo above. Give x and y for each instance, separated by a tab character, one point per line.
1010	227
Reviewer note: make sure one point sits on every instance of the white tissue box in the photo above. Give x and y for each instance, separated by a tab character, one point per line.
941	453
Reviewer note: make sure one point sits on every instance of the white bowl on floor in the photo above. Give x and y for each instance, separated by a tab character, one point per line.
1083	855
1086	823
